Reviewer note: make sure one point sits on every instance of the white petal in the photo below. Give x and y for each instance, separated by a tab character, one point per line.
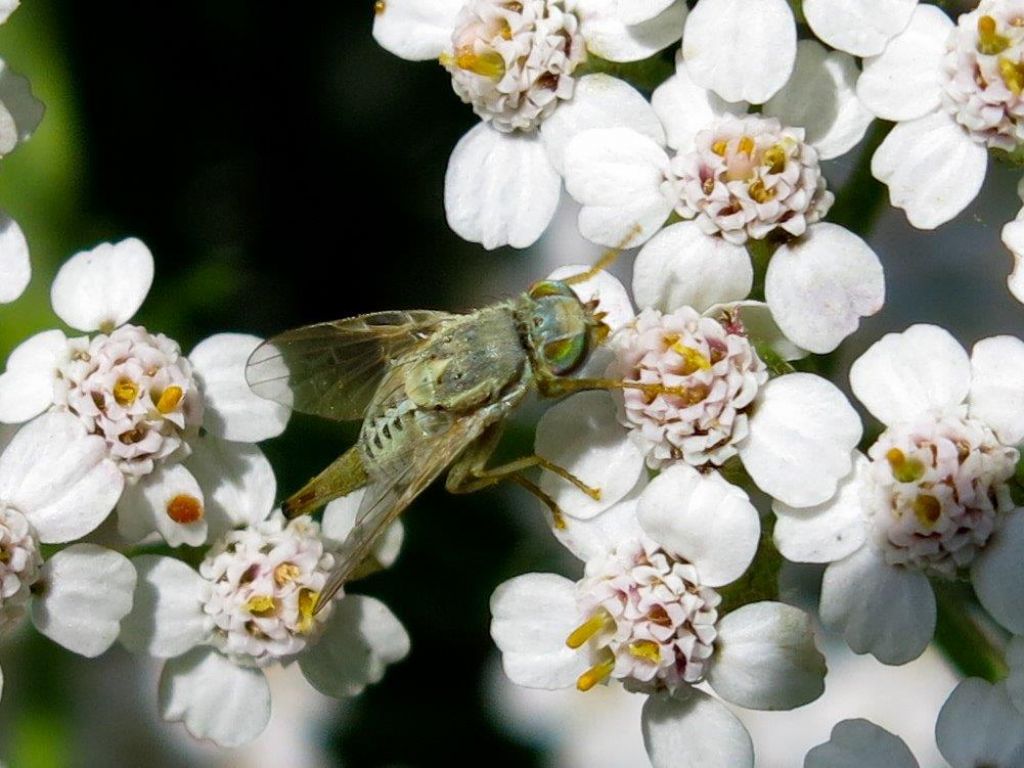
760	328
685	108
861	743
609	37
1015	680
905	81
215	699
821	97
340	518
683	267
697	732
1013	238
828	531
820	286
765	658
59	477
616	175
743	50
612	297
231	409
104	287
802	434
15	269
637	11
236	479
532	615
979	726
703	518
997	574
599	535
146	504
167	617
17	100
361	638
906	374
861	28
26	387
7	7
598	101
883	610
997	386
932	167
416	30
500	188
582	435
88	590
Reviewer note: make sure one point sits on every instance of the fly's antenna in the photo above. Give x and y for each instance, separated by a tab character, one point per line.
607	258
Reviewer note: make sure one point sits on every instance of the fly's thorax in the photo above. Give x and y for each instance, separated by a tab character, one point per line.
558	329
468	363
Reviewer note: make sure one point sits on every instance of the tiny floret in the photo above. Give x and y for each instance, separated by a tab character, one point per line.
20	563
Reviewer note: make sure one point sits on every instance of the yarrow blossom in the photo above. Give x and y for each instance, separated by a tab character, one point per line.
251	604
137	391
647	614
930	499
519	65
735	178
56	485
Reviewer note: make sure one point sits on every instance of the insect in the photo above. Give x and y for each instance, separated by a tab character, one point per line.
433	389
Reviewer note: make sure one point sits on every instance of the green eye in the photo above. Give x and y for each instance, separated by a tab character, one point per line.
544	288
566	355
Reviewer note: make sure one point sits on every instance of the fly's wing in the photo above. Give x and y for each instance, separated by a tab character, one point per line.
400	481
333	369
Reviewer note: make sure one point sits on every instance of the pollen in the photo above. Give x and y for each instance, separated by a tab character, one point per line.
261	605
759	192
746	146
719	147
990	42
285	573
596	674
927	510
648	650
592	626
693	360
125	392
904	470
774	158
488	64
169	399
185	509
1012	73
307	605
379	7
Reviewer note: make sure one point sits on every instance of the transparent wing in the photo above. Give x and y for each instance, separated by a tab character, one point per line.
333	369
404	477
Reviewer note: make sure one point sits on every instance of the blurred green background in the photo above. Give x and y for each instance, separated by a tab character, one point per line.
284	169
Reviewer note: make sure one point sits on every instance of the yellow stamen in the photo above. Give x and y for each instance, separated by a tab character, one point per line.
169	399
261	605
692	359
708	185
185	509
285	573
990	42
307	602
904	470
774	158
488	64
648	650
379	7
746	145
596	674
506	34
132	436
719	147
5	556
927	510
125	391
595	624
1012	73
759	192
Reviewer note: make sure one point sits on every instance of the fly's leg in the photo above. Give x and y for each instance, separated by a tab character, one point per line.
550	385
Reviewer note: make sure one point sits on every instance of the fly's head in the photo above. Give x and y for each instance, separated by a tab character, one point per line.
560	329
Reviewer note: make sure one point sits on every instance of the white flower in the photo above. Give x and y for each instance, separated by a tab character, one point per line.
137	391
516	63
978	726
738	177
1013	238
250	605
862	28
646	614
954	91
56	485
931	498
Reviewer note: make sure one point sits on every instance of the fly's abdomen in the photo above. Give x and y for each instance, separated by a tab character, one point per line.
389	435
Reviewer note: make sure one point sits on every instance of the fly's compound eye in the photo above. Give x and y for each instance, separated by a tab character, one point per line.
563	356
545	288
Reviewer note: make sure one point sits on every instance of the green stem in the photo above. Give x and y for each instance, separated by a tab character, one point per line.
861	200
760	254
960	637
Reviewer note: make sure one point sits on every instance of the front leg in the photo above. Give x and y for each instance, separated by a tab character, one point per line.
550	385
